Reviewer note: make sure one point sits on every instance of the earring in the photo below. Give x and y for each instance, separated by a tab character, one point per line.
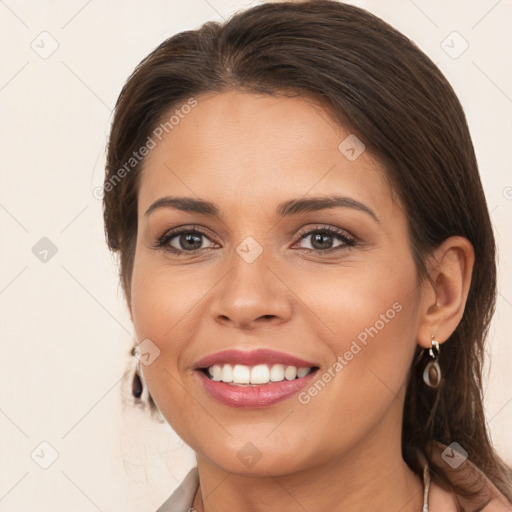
432	372
137	386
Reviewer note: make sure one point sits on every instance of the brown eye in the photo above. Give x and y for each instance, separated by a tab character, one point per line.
322	240
182	241
190	241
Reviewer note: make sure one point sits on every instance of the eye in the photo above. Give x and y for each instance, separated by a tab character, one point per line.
189	240
322	239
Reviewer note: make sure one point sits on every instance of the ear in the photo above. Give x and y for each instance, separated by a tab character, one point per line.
444	299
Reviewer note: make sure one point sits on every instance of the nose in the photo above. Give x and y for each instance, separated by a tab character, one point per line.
252	295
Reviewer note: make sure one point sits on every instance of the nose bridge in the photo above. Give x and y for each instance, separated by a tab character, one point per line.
251	289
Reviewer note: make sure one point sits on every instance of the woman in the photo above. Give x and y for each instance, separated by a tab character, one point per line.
309	265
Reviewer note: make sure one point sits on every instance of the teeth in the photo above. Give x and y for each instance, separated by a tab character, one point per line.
227	373
259	374
290	373
277	373
241	374
216	372
302	372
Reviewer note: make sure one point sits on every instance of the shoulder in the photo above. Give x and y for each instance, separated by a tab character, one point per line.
486	497
441	500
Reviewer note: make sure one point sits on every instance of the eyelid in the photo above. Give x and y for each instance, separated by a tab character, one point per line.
322	228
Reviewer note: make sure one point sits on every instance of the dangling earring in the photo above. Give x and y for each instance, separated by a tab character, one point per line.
432	372
137	386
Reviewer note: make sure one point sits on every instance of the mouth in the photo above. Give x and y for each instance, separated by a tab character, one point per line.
243	375
253	379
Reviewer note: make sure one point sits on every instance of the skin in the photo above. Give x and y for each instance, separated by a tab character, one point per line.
340	451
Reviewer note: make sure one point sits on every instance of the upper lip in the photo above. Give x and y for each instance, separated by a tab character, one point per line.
252	358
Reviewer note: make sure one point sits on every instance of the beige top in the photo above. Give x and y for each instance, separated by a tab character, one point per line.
489	499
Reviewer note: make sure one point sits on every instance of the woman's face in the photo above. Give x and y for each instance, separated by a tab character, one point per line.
345	303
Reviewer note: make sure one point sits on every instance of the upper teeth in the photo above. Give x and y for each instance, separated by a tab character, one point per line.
259	374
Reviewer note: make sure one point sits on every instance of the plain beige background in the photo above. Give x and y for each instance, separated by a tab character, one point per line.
64	327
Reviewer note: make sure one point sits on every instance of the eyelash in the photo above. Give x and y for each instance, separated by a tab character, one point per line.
348	242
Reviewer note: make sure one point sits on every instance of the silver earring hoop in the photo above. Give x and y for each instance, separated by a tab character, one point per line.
432	372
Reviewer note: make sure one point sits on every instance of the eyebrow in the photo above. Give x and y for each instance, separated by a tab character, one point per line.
285	209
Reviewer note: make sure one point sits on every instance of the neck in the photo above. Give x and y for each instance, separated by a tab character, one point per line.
372	475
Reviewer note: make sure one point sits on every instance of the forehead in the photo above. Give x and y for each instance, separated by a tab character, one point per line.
247	150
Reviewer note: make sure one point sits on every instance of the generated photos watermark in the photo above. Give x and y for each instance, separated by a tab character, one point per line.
137	156
356	347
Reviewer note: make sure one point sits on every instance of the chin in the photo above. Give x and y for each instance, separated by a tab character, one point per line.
255	455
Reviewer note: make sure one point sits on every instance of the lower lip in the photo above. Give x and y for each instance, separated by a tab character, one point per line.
260	395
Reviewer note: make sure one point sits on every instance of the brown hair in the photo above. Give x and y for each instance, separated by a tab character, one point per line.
375	82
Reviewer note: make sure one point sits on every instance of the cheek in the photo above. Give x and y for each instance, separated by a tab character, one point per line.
362	301
158	303
374	323
364	388
167	306
372	314
162	297
377	322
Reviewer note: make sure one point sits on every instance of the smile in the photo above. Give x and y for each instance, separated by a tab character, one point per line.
255	375
257	378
